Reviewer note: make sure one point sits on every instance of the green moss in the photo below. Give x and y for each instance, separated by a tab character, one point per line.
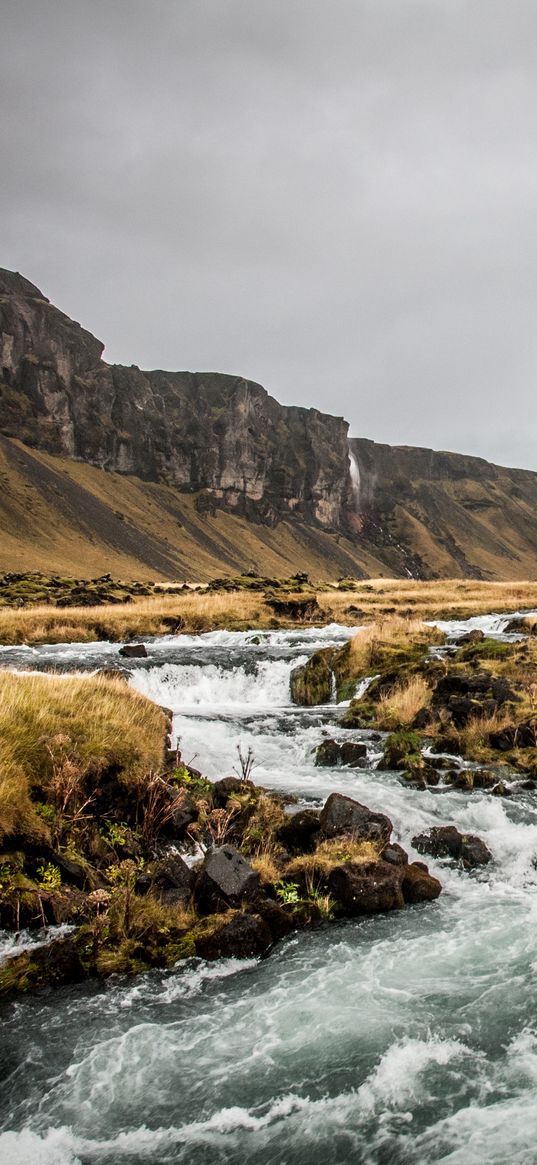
184	949
360	714
487	649
312	683
402	750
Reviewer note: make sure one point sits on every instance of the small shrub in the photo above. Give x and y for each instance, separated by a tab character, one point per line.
49	876
287	892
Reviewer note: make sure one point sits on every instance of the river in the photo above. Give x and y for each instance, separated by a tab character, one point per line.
408	1038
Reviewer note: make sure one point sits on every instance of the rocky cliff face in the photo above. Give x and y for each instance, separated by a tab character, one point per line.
221	435
225	441
433	514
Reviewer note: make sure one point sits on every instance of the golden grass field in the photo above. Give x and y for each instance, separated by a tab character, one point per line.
376	599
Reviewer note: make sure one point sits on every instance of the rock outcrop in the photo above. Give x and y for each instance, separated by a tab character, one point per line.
185	446
196	431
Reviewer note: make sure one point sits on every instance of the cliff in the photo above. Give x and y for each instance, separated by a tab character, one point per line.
181	474
193	431
433	514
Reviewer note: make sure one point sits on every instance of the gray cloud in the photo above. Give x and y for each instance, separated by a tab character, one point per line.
333	197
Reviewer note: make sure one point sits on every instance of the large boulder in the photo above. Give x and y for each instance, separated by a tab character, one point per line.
445	841
418	885
172	880
300	831
521	625
366	888
515	736
240	936
50	965
133	651
342	815
402	750
327	754
394	854
225	879
466	696
353	753
474	636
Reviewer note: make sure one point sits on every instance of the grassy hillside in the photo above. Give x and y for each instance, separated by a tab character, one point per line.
423	513
58	515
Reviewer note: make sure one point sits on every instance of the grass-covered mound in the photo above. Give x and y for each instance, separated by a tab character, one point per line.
62	739
477	700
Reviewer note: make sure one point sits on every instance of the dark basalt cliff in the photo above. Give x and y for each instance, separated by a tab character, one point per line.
445	514
195	431
208	473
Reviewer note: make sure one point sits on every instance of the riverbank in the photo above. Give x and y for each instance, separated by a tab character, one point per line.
97	610
104	830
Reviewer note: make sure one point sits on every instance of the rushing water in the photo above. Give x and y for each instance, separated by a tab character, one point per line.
406	1038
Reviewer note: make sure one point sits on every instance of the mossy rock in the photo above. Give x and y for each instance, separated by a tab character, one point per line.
312	683
402	750
359	714
487	649
53	965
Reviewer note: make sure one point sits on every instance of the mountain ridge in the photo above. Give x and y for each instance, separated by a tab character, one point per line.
185	474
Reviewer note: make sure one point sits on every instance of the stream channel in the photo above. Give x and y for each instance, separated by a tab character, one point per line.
407	1038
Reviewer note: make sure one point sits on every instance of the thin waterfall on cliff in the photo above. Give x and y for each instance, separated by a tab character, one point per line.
355	478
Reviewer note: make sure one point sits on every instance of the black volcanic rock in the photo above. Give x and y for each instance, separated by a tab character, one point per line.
195	431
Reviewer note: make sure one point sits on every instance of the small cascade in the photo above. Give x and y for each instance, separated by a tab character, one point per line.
354	470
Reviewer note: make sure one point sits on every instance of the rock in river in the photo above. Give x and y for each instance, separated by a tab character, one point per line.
226	879
342	815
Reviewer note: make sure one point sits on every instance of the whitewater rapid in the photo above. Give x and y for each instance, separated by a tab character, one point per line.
403	1039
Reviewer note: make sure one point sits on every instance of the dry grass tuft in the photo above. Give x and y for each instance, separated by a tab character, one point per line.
331	853
55	730
371	645
265	864
474	737
399	708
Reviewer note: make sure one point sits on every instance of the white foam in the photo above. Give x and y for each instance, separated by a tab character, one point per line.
262	684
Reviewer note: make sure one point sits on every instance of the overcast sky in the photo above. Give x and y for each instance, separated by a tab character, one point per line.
336	198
